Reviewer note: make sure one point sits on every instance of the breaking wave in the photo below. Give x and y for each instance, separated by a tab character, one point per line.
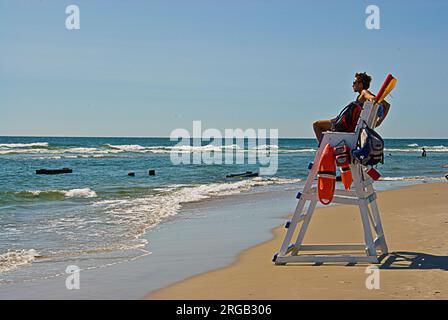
418	149
46	152
118	224
127	147
132	216
14	259
412	178
25	145
54	194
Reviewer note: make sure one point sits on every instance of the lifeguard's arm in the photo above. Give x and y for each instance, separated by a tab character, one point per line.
386	106
367	95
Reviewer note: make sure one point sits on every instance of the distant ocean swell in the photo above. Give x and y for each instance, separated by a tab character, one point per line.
58	152
46	148
418	149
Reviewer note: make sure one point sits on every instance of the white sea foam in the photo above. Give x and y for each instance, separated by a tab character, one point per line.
117	224
118	149
298	150
13	259
50	158
6	151
412	178
231	146
267	146
41	148
133	216
192	149
24	145
80	193
189	148
73	193
226	149
79	150
84	151
436	148
138	214
427	148
126	147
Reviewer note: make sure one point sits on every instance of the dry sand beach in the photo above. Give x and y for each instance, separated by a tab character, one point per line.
415	219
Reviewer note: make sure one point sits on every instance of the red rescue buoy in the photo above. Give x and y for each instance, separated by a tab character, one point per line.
326	176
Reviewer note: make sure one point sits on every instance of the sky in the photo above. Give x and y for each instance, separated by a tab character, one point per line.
145	68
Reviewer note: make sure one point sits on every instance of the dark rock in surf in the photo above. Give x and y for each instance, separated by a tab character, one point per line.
54	171
247	174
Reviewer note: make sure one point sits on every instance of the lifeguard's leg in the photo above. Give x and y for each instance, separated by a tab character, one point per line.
321	126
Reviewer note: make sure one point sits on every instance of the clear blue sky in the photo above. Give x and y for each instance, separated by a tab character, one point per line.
144	68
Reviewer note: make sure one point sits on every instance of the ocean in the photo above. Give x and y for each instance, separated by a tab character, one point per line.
97	215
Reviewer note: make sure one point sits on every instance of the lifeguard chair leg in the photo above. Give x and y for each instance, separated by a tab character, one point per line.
305	224
359	188
292	226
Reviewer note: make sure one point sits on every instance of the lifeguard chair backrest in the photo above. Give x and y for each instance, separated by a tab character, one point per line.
368	116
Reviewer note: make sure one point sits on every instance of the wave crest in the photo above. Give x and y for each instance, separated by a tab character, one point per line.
125	147
427	148
25	145
57	194
412	178
13	259
101	151
134	215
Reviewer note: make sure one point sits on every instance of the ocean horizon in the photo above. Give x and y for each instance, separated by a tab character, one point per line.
167	137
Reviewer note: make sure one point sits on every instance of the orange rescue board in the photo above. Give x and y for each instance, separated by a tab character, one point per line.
386	88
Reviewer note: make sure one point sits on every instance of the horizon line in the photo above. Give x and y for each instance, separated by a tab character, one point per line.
167	137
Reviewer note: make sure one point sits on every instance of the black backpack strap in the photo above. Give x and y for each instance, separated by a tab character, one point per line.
342	112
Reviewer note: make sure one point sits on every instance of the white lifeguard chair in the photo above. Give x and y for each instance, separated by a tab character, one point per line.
362	195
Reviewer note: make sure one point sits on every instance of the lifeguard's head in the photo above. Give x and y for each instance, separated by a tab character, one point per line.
361	82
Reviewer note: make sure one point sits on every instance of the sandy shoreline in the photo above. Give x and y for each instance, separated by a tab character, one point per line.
415	220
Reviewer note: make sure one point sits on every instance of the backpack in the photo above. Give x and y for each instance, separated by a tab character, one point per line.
348	118
370	148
